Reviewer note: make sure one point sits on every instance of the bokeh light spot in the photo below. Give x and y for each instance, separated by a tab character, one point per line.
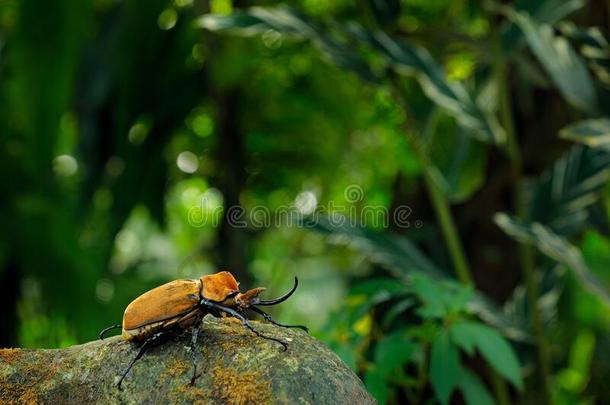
167	19
187	162
65	165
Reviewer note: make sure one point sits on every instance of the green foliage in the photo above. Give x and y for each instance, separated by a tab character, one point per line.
445	367
129	129
555	247
563	65
594	133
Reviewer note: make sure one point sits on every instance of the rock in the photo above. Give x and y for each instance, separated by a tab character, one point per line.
235	367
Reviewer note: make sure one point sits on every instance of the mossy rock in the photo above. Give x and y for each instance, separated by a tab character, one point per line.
234	367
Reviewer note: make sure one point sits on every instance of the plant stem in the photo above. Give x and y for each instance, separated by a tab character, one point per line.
526	255
439	201
448	228
499	386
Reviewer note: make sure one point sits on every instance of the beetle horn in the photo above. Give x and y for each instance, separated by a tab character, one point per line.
279	299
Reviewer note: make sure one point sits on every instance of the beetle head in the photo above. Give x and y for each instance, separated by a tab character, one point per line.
247	299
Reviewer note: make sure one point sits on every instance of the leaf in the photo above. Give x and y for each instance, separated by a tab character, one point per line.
403	58
492	346
394	252
258	20
386	12
555	247
411	60
565	67
459	158
403	259
594	133
593	45
462	336
439	298
374	292
347	354
393	352
473	390
395	310
375	383
562	195
445	368
542	12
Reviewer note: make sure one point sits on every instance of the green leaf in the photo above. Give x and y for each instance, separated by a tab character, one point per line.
258	20
373	292
375	383
412	60
347	354
555	247
445	368
542	12
439	298
393	351
473	390
461	334
594	133
565	67
562	195
403	58
492	346
459	160
593	45
395	310
393	252
403	259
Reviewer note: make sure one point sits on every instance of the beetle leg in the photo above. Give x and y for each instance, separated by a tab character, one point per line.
194	336
103	332
156	338
243	320
270	320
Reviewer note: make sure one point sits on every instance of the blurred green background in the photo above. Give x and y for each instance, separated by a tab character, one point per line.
128	130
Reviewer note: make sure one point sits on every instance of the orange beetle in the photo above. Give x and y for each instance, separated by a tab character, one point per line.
180	304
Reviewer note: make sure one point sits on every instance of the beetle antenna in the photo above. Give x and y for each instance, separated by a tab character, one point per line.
279	299
269	319
103	332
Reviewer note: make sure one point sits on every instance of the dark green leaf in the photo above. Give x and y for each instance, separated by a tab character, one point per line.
492	346
594	133
473	390
461	334
402	57
375	383
257	20
563	194
445	368
411	60
459	158
542	12
386	12
374	292
393	252
399	256
555	247
393	352
565	67
395	310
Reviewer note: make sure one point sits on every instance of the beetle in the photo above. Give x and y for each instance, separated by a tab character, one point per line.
181	304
